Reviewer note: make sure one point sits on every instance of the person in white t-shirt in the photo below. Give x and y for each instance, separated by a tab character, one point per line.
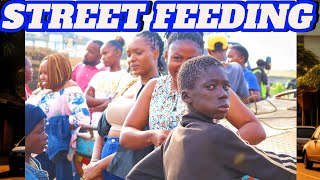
105	85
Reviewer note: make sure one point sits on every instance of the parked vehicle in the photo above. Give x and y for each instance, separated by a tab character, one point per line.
304	134
311	150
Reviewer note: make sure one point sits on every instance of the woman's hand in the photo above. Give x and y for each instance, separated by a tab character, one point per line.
102	107
93	171
158	136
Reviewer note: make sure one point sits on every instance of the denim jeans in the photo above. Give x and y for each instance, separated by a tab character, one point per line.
63	167
110	146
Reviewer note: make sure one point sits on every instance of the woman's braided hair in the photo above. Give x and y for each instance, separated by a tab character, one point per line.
155	42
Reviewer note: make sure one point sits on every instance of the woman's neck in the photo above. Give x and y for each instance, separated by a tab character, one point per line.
115	67
145	78
174	85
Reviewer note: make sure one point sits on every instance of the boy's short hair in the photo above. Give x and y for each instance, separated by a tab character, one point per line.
242	50
33	115
261	62
190	71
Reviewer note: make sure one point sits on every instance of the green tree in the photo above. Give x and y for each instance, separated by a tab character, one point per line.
306	60
311	80
11	60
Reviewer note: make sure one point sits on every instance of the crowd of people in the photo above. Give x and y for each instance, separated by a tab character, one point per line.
146	120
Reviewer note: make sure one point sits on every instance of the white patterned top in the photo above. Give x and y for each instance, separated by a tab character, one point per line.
166	106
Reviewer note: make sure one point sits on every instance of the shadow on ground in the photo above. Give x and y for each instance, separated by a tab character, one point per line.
8	175
4	169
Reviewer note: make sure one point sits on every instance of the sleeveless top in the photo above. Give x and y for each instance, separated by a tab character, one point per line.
166	106
117	112
118	109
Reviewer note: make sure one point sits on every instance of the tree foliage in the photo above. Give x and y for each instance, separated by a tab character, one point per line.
306	60
11	59
311	80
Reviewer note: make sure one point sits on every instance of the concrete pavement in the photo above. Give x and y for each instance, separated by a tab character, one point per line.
278	119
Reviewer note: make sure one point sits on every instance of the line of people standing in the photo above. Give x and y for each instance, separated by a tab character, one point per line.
159	104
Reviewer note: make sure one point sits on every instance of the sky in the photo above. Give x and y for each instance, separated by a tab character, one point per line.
280	46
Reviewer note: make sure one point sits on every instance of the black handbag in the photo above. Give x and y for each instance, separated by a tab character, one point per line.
103	126
125	159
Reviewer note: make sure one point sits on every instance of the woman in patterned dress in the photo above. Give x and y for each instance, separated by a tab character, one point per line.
58	95
160	105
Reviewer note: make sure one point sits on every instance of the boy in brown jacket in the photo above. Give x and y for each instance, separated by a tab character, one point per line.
199	148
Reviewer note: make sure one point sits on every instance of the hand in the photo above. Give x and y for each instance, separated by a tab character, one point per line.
158	136
92	171
101	107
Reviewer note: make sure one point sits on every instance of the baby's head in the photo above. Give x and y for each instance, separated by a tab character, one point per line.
204	86
36	138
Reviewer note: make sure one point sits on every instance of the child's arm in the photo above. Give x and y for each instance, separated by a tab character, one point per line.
241	117
236	154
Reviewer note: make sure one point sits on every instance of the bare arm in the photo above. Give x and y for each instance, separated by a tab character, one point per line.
249	128
90	98
255	96
101	107
98	145
94	169
132	135
245	100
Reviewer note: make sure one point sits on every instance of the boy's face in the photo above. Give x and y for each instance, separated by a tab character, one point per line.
37	139
210	95
235	56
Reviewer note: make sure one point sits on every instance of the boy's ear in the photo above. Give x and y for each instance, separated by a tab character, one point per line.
185	96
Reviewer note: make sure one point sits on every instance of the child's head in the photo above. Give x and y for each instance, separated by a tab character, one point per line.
217	46
204	86
239	54
36	138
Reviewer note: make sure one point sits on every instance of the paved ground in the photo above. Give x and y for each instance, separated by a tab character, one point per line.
4	170
279	122
281	143
308	174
